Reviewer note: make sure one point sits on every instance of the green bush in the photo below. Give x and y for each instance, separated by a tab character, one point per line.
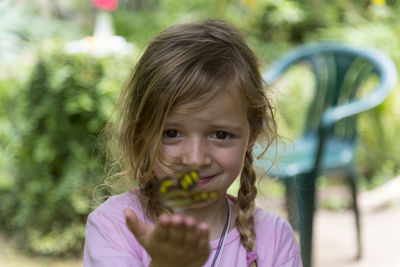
54	126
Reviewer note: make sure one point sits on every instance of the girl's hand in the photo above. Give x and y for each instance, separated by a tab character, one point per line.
173	240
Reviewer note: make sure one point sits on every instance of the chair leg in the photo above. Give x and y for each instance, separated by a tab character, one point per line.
305	187
291	206
353	185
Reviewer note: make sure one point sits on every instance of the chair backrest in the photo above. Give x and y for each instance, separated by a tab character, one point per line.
340	71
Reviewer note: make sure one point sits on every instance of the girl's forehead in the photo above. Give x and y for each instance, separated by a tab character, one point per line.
198	102
220	102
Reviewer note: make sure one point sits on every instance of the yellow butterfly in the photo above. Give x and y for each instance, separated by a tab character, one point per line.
179	191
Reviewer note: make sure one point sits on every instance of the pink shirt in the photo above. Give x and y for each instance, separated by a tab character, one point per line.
110	243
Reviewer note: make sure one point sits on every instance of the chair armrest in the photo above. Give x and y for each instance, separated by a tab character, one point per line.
384	67
387	73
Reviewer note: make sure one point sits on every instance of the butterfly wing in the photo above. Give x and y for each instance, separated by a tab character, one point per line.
188	199
180	191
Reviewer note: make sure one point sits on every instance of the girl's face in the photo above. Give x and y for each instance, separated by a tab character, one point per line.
214	138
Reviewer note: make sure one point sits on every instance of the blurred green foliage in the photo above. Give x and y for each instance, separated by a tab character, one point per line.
53	105
54	122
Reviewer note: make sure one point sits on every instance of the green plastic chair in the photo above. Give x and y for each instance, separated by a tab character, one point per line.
329	138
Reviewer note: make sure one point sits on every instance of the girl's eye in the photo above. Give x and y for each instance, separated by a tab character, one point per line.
222	135
171	133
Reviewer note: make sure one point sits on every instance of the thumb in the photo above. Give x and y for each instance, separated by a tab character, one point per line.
140	229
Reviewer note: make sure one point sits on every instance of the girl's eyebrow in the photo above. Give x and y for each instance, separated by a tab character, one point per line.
223	126
230	127
172	124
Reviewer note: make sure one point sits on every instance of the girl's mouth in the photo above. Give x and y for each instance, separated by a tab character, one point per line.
204	180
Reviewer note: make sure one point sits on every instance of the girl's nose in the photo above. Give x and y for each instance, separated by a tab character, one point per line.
196	152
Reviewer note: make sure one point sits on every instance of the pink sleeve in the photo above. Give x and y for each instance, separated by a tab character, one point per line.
275	241
108	242
292	262
289	252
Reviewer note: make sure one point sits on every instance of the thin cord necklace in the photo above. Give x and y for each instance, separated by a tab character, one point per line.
221	244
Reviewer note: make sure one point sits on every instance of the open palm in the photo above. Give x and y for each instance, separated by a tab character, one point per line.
173	240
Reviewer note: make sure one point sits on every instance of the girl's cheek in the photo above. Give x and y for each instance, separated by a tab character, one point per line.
158	172
167	152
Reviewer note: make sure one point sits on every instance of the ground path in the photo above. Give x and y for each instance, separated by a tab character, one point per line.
335	235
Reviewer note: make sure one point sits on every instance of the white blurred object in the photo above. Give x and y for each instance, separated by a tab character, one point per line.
103	28
380	197
103	42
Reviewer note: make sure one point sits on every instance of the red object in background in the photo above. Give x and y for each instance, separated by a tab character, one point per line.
108	5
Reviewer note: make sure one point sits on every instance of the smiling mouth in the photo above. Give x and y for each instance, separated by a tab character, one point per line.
204	180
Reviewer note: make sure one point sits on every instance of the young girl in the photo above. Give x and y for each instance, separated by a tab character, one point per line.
195	98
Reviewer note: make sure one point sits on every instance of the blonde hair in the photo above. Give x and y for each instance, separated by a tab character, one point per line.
189	63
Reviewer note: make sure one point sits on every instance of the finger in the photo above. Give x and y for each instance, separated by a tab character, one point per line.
191	237
140	229
161	231
203	232
177	230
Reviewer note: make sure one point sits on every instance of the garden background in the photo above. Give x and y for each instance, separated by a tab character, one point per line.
54	103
